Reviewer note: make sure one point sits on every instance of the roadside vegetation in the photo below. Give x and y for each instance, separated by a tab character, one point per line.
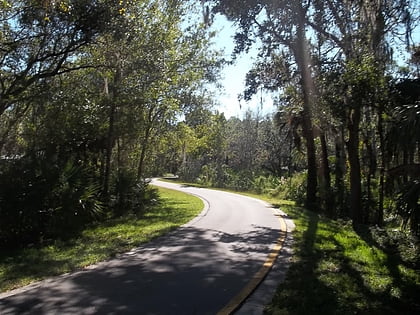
337	268
97	242
87	90
97	96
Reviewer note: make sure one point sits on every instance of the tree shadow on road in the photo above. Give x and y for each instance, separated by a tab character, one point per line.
188	271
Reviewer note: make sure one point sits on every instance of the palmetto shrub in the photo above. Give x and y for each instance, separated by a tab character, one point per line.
41	200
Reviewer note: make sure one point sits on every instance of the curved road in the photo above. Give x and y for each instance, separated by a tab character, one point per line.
196	269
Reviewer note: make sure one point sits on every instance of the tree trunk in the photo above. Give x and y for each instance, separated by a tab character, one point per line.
109	148
11	123
354	161
140	169
340	170
109	142
371	154
380	213
112	96
325	178
312	182
303	62
405	162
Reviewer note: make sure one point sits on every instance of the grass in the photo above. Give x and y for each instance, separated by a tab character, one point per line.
339	270
335	269
97	243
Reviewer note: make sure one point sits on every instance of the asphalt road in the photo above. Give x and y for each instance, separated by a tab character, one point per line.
196	269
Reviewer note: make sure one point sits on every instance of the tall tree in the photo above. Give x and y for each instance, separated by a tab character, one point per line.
356	31
41	39
281	23
70	132
38	38
351	34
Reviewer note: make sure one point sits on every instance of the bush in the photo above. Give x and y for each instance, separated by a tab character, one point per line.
131	195
240	181
214	175
266	184
396	241
73	201
408	206
292	188
39	200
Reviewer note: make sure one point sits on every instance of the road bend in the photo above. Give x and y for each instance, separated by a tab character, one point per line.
196	269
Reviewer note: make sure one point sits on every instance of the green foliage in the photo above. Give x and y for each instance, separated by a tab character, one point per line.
292	188
88	89
73	201
408	205
239	181
286	188
338	271
397	242
209	176
40	39
131	195
41	200
266	184
225	177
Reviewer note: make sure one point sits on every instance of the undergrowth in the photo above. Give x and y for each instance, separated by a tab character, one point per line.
337	269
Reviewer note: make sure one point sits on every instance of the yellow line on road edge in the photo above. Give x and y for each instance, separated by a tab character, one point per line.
234	304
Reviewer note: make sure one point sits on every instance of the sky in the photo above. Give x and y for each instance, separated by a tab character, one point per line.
233	76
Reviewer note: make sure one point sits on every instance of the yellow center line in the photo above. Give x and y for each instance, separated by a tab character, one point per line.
258	277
